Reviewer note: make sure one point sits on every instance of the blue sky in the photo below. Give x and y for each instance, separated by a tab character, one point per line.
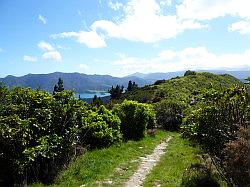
123	37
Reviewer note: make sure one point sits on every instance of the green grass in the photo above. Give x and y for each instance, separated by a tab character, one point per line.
115	163
182	89
168	172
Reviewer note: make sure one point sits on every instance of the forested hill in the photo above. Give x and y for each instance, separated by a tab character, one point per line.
73	81
182	89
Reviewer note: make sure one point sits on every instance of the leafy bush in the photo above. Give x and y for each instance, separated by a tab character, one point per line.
169	115
37	133
189	72
159	82
218	119
100	129
237	158
221	126
135	119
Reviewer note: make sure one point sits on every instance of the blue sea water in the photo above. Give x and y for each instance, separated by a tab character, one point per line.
92	94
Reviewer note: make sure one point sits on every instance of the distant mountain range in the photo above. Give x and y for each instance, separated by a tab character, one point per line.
74	81
82	82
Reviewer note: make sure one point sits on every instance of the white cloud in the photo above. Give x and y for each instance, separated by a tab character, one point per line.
50	52
29	58
115	6
83	66
52	55
189	58
166	2
45	46
243	27
91	39
211	9
143	22
42	19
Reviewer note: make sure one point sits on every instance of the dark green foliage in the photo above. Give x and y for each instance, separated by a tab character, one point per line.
96	101
159	82
135	119
115	93
37	133
100	129
169	115
131	86
197	175
189	72
217	120
221	126
58	87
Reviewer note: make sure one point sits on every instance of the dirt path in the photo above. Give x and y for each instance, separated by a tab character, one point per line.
147	165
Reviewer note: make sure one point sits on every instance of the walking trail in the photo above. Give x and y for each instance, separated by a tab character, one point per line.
147	164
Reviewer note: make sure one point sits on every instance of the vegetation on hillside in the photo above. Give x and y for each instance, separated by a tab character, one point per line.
41	133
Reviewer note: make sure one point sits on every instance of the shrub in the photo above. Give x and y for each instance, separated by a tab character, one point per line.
135	119
218	119
189	72
159	82
237	158
169	115
100	129
37	133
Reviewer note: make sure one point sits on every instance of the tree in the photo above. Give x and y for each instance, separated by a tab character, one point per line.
115	93
59	86
96	101
131	86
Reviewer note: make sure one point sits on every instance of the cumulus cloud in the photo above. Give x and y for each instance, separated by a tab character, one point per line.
243	27
45	46
144	22
50	52
28	58
52	55
207	10
197	58
42	19
91	39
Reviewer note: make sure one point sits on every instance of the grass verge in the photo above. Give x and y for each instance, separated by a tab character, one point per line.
168	172
108	167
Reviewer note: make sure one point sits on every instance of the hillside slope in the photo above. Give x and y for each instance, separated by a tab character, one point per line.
182	89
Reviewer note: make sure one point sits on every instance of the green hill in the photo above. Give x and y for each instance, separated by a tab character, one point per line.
182	89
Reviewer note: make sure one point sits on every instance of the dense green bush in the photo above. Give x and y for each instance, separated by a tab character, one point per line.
37	133
221	126
218	119
135	119
100	129
189	72
169	115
